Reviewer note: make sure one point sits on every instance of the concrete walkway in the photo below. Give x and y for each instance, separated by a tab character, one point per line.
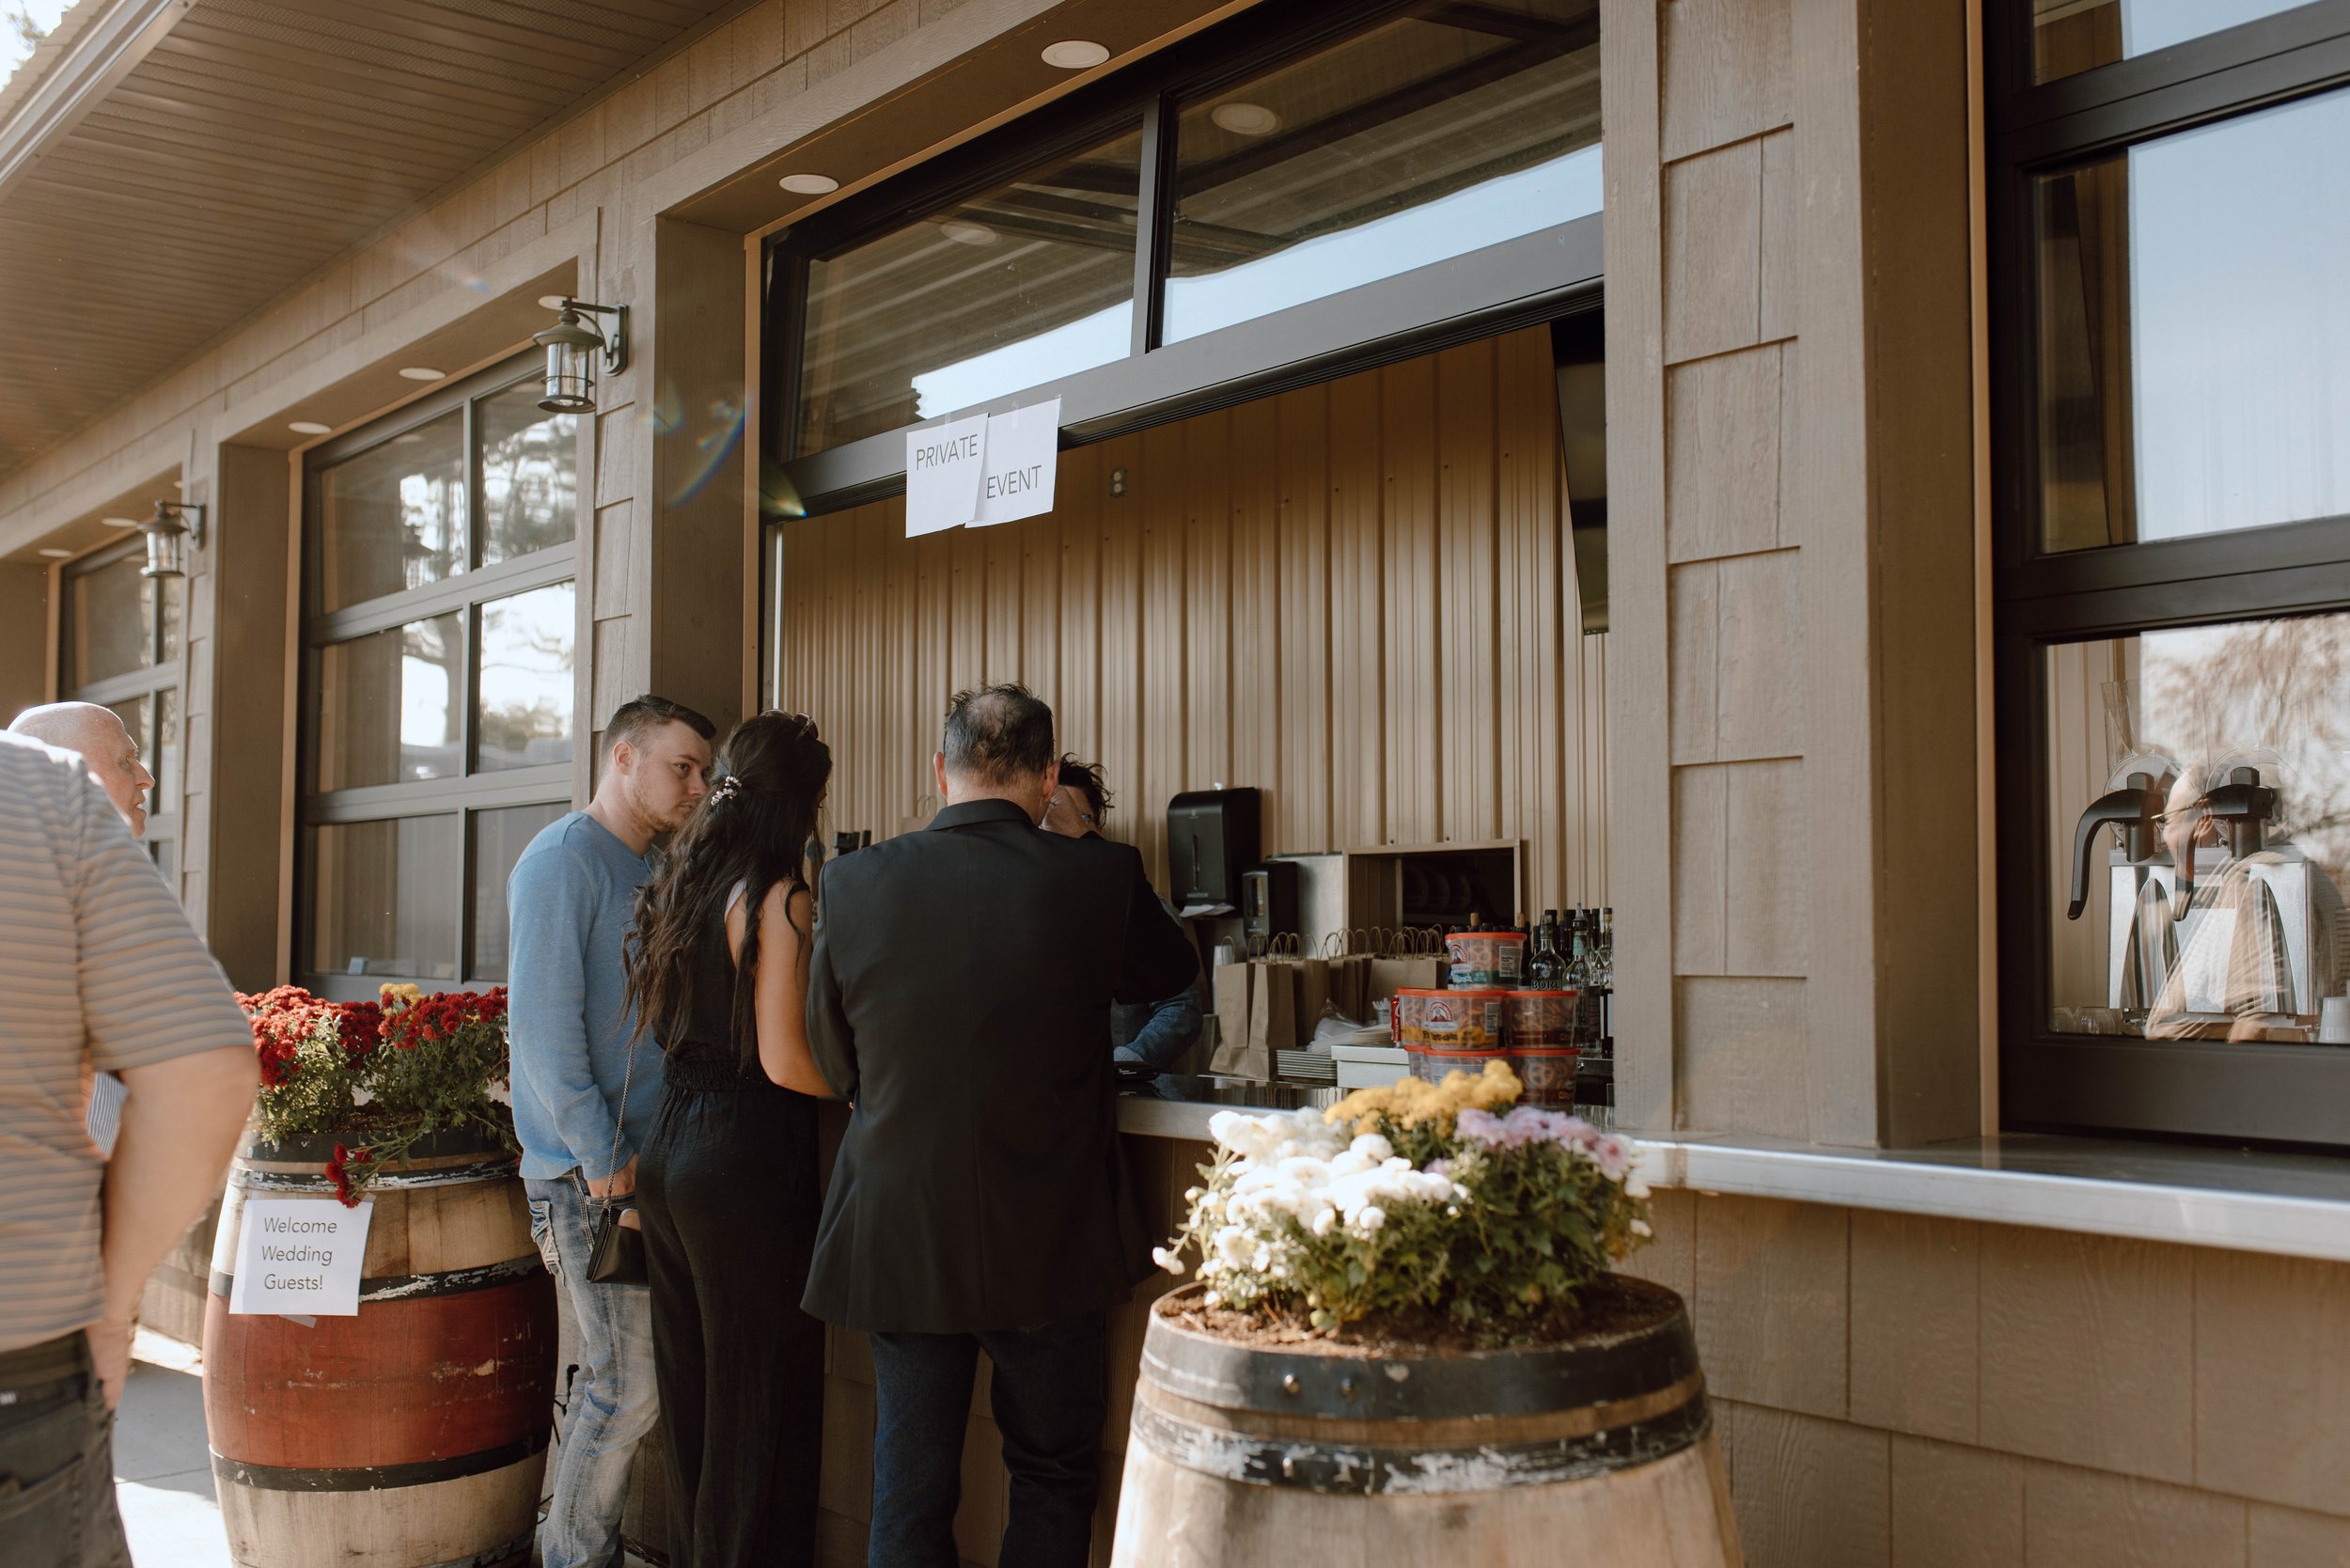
163	1469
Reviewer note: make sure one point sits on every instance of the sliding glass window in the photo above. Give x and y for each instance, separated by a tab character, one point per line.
119	647
1294	185
439	680
2172	386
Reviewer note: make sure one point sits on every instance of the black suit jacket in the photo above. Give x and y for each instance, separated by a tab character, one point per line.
958	995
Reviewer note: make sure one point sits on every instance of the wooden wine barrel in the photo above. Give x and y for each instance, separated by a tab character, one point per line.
414	1433
1597	1450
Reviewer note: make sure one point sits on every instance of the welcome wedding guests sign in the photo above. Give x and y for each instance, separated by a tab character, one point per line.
300	1256
982	470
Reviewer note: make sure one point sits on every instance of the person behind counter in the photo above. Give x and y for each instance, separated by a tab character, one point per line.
960	991
727	1184
1155	1034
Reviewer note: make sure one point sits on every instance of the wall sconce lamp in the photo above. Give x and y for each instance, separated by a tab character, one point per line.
169	539
572	346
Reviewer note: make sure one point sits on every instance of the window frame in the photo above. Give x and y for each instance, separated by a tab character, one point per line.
1517	282
150	680
2268	1094
464	593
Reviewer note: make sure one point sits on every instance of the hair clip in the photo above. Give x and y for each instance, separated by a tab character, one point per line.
727	788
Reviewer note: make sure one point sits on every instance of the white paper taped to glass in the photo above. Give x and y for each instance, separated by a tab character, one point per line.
983	469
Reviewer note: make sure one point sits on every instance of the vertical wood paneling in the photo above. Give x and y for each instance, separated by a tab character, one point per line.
1536	670
1208	610
1467	535
1357	599
1303	647
1258	713
1124	519
1165	640
1281	591
1407	442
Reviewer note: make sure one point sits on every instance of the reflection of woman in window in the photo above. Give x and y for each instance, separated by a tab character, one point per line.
2234	974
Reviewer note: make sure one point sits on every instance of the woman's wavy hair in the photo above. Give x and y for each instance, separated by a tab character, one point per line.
753	828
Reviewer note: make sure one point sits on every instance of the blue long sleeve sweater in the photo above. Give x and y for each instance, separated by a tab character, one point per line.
569	904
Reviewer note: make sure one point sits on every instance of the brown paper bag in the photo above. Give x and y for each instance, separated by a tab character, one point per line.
1273	1007
1313	996
1232	986
1389	975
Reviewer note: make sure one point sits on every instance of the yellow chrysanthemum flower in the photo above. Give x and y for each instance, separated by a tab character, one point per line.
1410	1102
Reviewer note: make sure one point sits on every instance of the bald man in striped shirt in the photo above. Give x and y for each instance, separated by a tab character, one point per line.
99	970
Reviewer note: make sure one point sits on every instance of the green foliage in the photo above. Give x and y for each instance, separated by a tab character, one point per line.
1489	1225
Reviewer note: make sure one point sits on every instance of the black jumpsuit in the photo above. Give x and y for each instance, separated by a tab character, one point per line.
728	1190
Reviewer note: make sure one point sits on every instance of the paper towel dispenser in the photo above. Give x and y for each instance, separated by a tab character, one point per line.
1212	836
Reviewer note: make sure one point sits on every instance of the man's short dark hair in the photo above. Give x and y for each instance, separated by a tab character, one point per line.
1086	779
636	719
998	735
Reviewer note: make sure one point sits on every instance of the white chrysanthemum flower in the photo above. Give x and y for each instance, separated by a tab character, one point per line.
1323	1221
1167	1259
1369	1218
1637	1186
1642	1228
1374	1148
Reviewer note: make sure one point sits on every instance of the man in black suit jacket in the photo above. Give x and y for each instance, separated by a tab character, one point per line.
959	997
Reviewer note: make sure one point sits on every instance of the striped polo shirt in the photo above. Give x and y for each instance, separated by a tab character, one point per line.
99	968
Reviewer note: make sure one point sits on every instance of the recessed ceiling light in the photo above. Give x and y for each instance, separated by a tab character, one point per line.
1246	119
809	184
53	552
308	427
965	233
1075	55
421	372
410	439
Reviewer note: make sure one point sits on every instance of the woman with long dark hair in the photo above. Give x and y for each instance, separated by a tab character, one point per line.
726	1190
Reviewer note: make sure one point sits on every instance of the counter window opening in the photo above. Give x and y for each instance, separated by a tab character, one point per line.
1280	199
119	647
2171	493
438	645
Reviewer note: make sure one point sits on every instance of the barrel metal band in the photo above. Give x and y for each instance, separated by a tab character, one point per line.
374	1478
409	1286
311	1181
1366	1470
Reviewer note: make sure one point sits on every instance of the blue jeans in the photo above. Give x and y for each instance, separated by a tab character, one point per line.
612	1403
1050	1393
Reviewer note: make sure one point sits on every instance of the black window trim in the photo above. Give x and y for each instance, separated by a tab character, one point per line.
2241	1093
465	595
1531	278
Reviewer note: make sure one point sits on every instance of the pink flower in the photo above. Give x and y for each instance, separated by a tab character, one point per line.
1613	1155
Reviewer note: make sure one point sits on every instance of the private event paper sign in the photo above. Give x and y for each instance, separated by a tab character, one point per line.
944	464
1023	460
300	1256
987	469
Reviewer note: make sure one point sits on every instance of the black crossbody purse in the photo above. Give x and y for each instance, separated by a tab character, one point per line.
616	1252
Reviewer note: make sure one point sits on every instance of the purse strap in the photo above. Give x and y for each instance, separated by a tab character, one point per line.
628	1073
620	1123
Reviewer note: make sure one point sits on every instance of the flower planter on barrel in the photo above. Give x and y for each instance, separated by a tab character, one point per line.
1547	1411
413	1433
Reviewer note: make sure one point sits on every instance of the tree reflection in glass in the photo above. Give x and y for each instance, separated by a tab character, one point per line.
525	714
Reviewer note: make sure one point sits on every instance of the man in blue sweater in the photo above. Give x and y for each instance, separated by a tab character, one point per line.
569	905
